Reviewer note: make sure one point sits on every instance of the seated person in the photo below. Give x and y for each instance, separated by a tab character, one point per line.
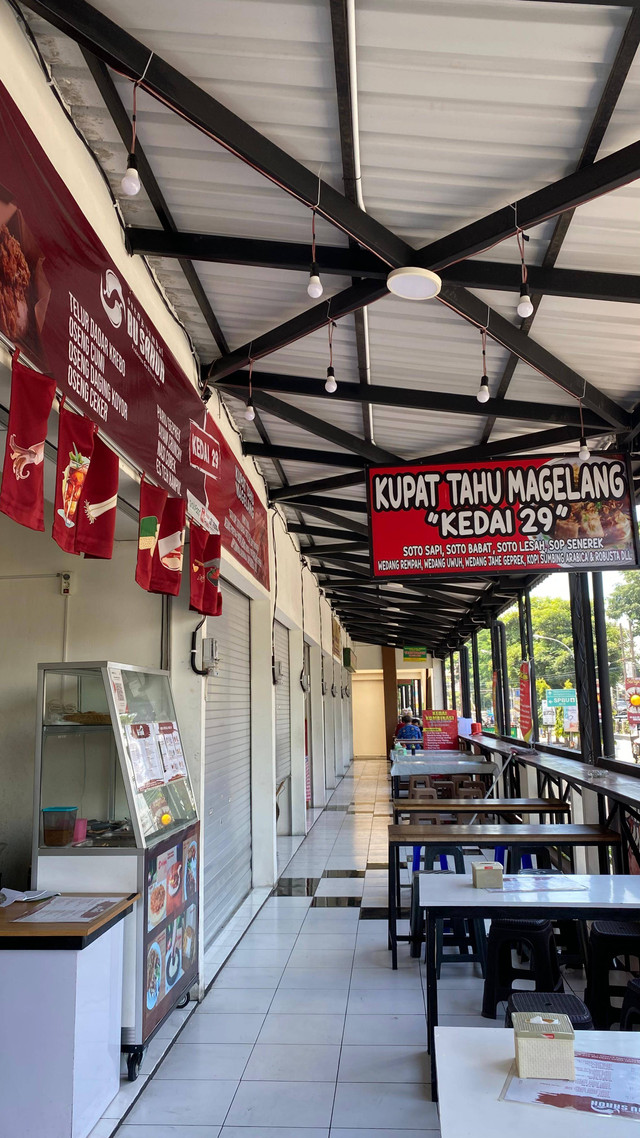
405	711
408	730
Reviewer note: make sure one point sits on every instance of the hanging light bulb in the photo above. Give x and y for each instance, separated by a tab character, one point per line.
314	288
482	394
525	307
584	453
250	412
130	184
331	385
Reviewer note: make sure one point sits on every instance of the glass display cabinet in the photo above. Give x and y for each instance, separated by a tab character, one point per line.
114	809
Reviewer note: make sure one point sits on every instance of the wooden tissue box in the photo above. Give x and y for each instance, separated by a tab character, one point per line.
486	874
544	1045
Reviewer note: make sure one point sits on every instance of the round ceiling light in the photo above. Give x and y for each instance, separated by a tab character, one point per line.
412	283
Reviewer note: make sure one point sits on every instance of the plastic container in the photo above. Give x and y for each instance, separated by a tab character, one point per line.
80	830
58	824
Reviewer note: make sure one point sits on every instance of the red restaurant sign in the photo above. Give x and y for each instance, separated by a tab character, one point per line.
526	721
518	515
65	304
440	730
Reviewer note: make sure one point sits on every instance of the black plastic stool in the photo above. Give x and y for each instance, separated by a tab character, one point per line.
545	970
608	941
630	1013
468	936
556	1003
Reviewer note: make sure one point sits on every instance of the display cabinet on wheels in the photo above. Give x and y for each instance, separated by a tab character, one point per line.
114	810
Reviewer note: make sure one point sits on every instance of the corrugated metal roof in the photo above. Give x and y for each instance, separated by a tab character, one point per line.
464	106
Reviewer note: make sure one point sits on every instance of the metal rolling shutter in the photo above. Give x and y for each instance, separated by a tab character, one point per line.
227	788
283	704
329	740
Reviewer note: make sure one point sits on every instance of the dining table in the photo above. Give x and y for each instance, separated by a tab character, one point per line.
612	897
514	808
558	835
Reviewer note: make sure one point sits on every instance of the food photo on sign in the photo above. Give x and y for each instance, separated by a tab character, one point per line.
516	515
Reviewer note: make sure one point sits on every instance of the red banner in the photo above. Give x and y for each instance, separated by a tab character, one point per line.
96	523
76	437
526	721
632	691
65	304
517	515
204	556
22	492
440	730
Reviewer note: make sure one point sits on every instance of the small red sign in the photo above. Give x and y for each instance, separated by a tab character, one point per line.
440	730
204	451
633	694
526	722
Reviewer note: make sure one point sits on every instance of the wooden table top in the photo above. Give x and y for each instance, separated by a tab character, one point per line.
524	834
99	914
482	806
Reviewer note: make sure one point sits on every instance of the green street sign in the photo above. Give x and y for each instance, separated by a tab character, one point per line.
561	697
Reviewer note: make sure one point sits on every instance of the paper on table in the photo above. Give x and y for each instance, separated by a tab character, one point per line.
68	910
545	883
604	1084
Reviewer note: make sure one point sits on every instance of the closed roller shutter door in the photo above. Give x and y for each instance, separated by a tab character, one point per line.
329	741
227	789
283	716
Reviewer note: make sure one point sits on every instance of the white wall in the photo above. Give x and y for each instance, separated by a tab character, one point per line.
369	736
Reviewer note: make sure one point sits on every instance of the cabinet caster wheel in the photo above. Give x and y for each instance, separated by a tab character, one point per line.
134	1060
182	1003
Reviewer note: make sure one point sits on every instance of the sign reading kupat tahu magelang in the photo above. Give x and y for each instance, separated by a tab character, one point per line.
546	513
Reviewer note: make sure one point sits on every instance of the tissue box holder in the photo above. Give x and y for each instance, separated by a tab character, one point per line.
486	874
544	1049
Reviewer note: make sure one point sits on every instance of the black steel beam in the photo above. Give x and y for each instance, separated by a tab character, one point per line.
349	505
320	486
338	520
532	353
341	304
346	547
378	394
127	55
343	261
318	427
301	454
617	169
323	531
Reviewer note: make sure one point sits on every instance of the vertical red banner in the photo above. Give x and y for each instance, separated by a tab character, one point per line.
526	721
440	730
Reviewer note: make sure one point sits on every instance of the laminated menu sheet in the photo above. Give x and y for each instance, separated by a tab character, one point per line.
604	1084
544	883
69	910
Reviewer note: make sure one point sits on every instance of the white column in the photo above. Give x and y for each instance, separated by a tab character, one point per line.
263	748
318	791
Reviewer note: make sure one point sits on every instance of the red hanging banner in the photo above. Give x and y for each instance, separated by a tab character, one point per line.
439	730
96	523
152	503
526	721
204	571
21	495
166	567
75	450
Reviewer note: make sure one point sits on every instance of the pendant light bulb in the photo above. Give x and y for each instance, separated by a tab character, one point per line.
314	288
525	307
584	453
331	384
250	412
130	184
482	394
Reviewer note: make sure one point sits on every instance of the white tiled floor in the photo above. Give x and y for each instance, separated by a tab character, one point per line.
307	1032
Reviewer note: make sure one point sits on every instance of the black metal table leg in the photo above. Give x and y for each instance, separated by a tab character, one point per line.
393	916
432	997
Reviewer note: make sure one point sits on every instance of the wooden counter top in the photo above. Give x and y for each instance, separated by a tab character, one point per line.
103	910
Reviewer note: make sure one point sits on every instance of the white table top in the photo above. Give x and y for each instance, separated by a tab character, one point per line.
455	764
606	890
476	1062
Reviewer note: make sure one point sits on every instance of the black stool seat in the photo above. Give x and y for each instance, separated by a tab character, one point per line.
608	941
630	1014
504	936
557	1003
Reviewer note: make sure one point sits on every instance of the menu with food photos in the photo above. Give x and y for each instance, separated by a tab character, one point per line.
171	923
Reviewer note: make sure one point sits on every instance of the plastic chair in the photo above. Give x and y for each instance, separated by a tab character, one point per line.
418	782
556	1003
467	935
608	941
506	935
630	1014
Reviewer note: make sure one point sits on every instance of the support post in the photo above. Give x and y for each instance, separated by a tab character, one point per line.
390	687
443	668
585	666
498	708
452	673
506	702
465	682
602	653
532	667
477	694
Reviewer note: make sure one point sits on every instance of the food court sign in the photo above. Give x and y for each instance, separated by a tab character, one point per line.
518	515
